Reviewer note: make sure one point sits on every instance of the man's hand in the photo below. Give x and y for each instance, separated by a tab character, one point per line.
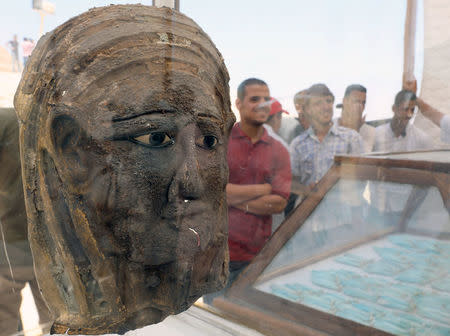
410	85
301	189
264	205
362	121
430	112
240	193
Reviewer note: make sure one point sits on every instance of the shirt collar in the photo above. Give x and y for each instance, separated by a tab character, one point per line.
407	128
239	133
334	129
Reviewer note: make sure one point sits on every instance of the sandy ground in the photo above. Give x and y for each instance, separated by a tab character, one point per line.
8	85
8	80
5	59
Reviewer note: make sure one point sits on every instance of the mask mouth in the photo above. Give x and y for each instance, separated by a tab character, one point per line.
184	209
189	242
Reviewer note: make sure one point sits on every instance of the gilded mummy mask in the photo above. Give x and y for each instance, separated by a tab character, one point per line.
124	117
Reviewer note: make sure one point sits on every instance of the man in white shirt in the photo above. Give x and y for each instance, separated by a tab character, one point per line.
438	118
400	135
302	123
445	128
353	106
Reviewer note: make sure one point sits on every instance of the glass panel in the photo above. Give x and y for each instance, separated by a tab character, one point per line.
431	215
344	262
350	211
437	156
399	283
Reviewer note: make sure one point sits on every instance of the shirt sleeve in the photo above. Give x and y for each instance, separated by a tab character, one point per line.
294	158
282	176
377	141
424	141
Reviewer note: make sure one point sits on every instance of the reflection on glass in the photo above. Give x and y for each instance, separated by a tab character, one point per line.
364	263
344	215
431	215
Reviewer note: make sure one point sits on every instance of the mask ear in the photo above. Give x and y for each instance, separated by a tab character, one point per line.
70	141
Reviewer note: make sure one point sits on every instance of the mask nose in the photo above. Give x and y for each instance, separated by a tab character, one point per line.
190	186
187	183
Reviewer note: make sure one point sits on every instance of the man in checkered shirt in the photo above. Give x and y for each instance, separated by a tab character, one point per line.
312	152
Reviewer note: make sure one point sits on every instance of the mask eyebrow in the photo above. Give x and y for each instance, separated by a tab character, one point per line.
160	111
208	116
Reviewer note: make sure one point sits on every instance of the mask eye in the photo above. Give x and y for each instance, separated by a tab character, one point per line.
154	139
207	142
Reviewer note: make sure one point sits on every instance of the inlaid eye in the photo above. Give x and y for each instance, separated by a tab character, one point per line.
207	142
154	139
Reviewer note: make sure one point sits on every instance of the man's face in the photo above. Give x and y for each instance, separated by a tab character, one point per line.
320	110
165	153
254	109
404	112
354	104
302	118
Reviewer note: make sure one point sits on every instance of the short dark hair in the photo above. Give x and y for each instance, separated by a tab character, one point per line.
247	82
354	87
317	90
404	96
299	97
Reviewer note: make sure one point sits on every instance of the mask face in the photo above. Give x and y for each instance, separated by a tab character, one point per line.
133	172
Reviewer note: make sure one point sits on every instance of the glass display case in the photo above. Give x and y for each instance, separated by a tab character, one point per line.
367	252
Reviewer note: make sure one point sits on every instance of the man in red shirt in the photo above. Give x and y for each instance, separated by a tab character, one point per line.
260	176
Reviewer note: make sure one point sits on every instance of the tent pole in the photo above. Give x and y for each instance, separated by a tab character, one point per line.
409	41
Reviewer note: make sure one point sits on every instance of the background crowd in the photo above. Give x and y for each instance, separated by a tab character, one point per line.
272	169
27	48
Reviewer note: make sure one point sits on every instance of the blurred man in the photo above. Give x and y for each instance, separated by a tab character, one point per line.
400	135
303	125
438	118
303	122
313	151
27	49
14	46
353	106
259	179
273	123
16	264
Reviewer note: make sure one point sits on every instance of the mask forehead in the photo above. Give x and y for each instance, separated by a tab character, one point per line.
129	97
88	52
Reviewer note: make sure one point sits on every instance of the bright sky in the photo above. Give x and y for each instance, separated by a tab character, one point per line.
290	44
